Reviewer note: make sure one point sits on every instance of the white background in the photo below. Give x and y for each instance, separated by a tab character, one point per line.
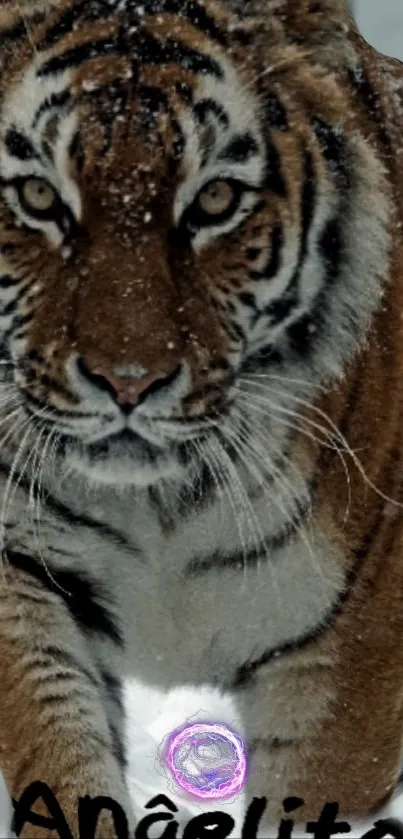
381	22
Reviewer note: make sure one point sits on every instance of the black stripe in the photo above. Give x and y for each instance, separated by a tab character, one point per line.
74	519
15	33
193	12
55	100
113	688
308	202
59	697
9	247
399	781
79	13
11	306
281	308
253	253
271	742
303	333
102	9
19	146
361	85
153	99
145	48
250	559
118	747
249	300
49	654
272	266
20	335
274	180
52	384
32	405
239	149
7	281
185	92
76	153
235	331
78	55
207	106
18	322
331	246
33	355
260	360
32	402
5	355
247	671
275	113
333	147
19	30
149	49
82	596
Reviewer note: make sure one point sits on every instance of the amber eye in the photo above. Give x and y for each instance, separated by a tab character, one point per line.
216	202
216	198
38	197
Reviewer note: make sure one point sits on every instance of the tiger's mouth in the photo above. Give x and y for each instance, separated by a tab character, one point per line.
125	443
123	458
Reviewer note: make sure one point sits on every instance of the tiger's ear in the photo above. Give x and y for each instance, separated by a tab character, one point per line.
320	25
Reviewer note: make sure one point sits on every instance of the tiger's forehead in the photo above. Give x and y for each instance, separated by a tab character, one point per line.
174	91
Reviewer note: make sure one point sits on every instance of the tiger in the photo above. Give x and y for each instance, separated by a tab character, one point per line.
201	298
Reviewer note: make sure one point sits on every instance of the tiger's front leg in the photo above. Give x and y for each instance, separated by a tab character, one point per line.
55	716
320	729
283	706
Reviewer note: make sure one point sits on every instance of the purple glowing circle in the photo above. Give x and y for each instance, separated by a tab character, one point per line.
204	775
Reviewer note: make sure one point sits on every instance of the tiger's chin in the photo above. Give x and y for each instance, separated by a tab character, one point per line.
120	462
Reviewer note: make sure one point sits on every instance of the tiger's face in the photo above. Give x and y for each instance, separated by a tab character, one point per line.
178	229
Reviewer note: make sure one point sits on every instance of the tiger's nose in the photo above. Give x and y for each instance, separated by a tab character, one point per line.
129	384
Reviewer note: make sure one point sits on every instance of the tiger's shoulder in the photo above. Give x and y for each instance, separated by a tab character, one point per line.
378	82
392	72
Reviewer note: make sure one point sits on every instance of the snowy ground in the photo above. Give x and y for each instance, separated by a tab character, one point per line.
153	716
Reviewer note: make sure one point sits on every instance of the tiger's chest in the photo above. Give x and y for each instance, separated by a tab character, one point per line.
223	588
209	598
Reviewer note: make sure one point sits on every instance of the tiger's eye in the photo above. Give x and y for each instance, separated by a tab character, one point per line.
216	197
38	195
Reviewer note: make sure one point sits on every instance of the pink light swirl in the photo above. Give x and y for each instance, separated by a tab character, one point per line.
214	787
